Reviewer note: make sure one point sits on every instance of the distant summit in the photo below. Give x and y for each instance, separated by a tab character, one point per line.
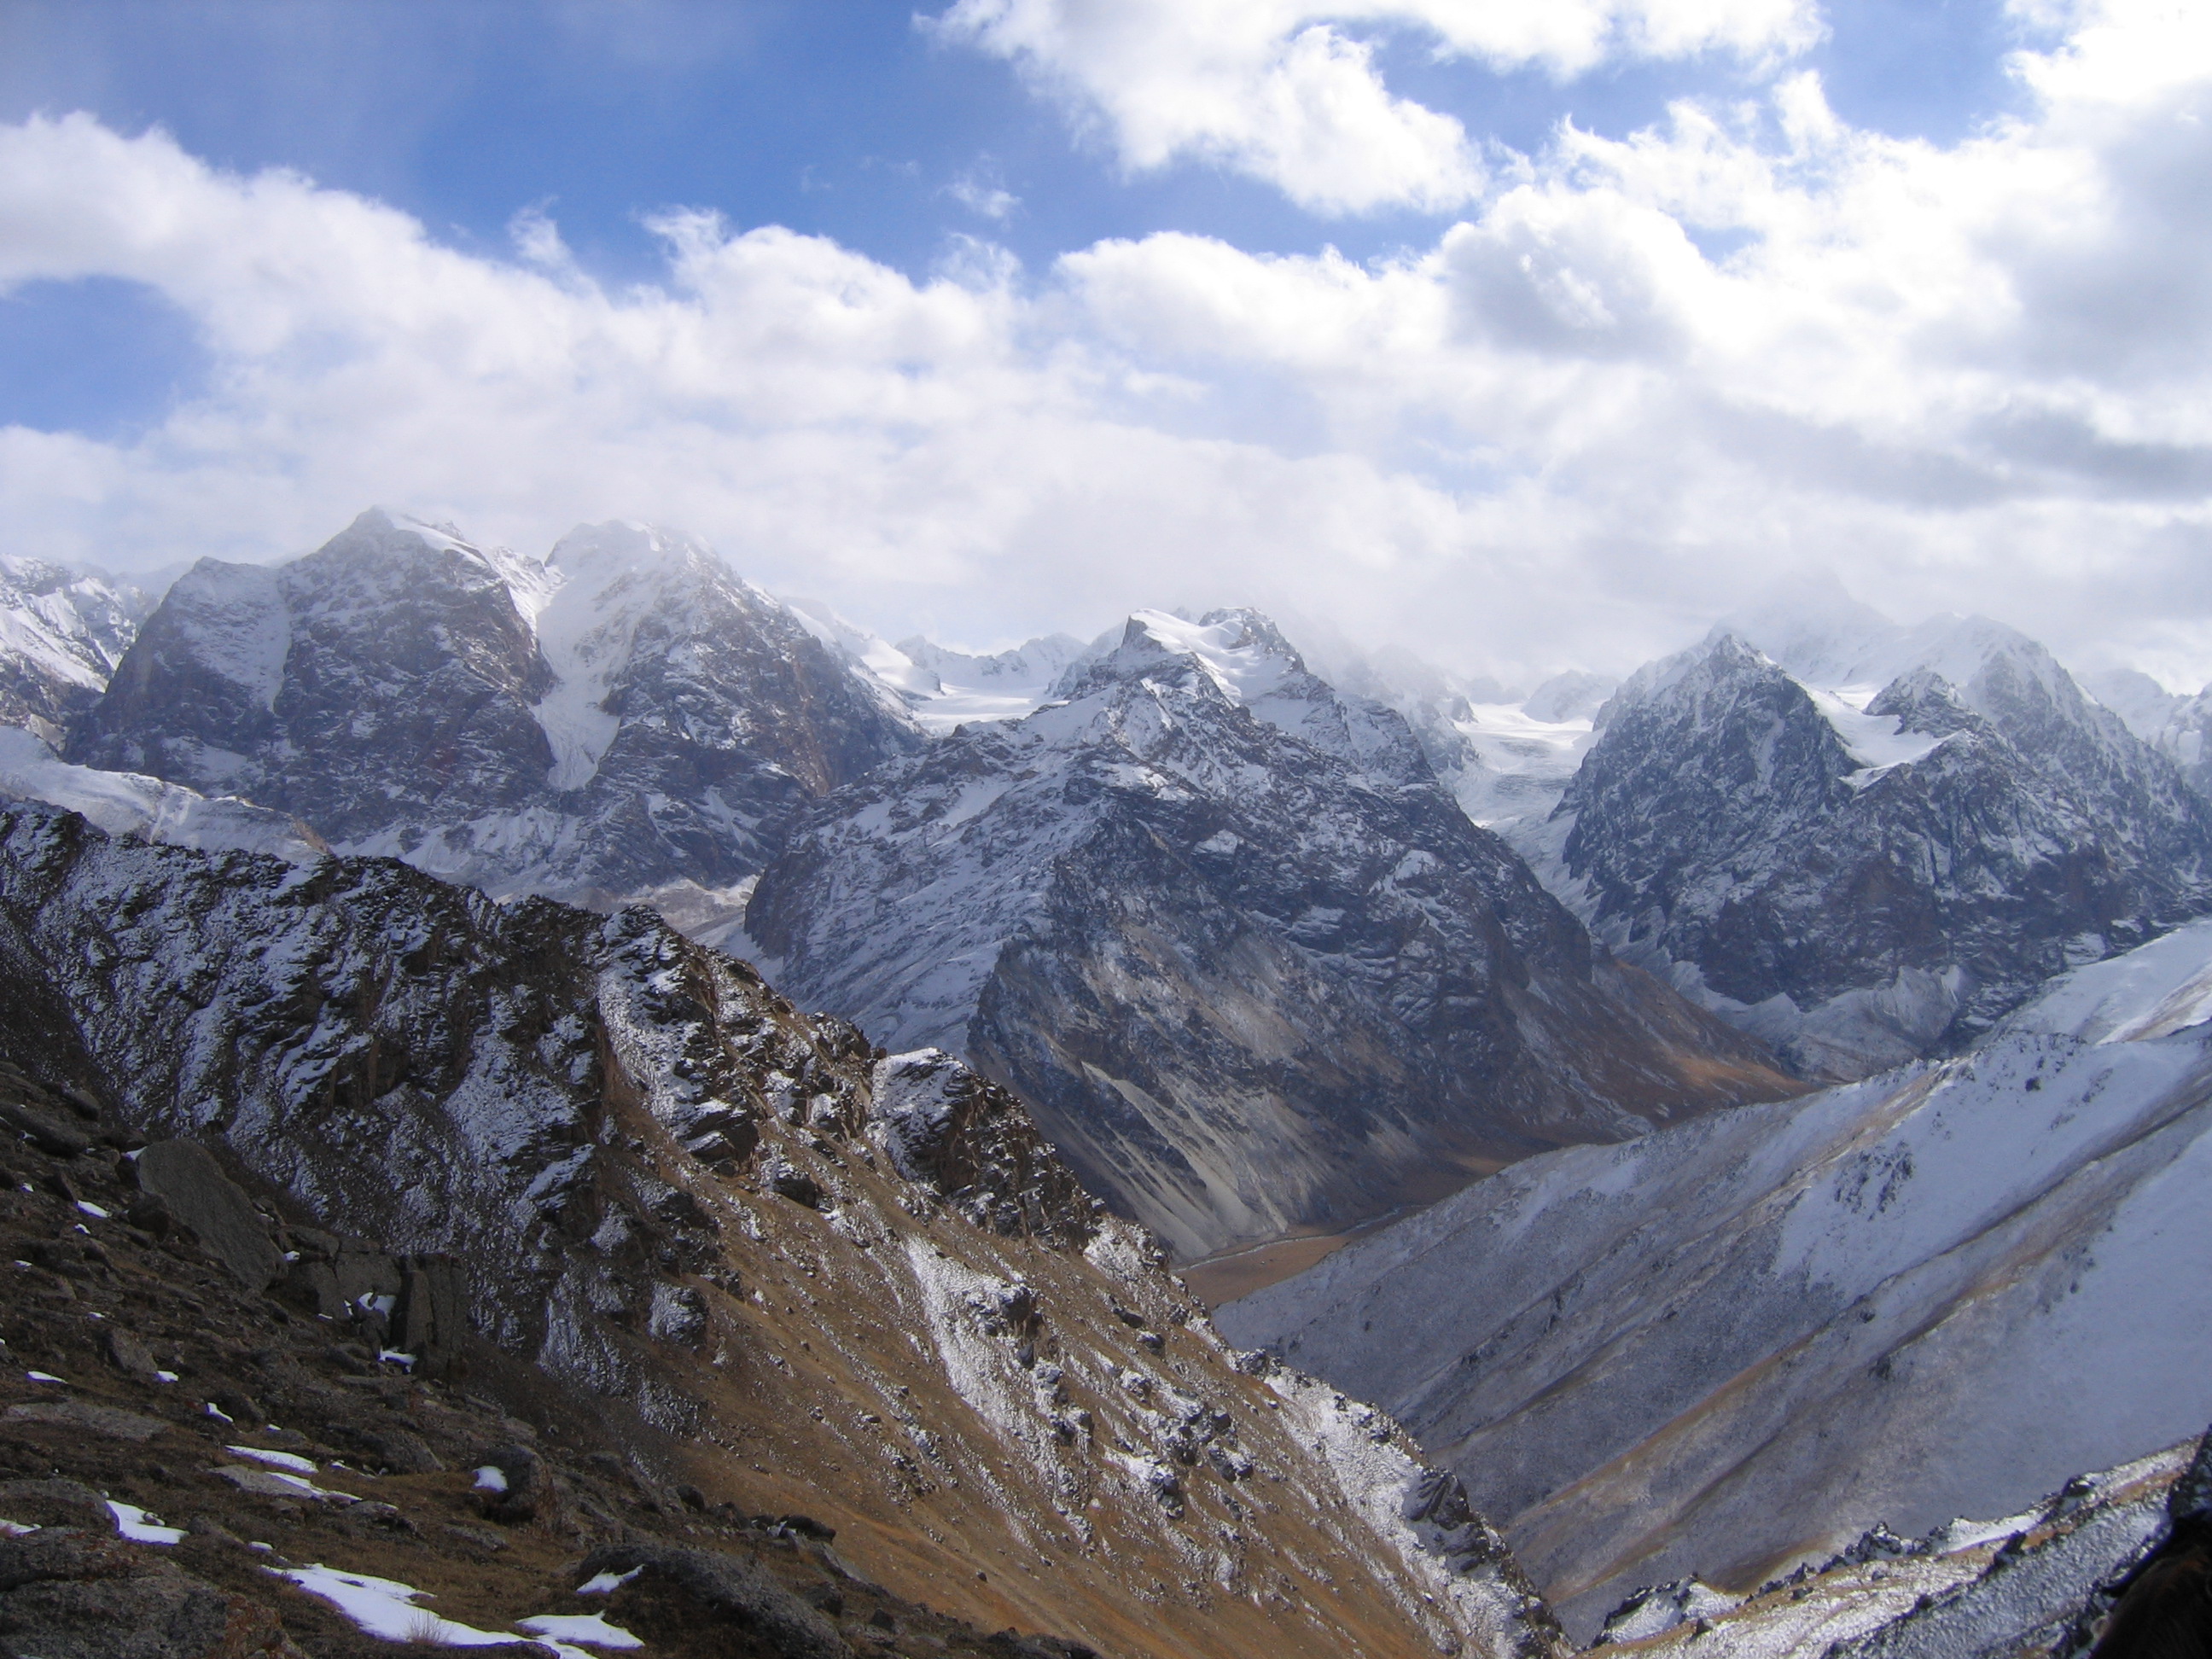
1221	927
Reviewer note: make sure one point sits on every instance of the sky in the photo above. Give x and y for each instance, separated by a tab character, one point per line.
1521	334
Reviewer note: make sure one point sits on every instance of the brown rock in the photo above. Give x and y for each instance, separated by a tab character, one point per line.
48	1133
107	1420
127	1354
99	1603
520	1491
53	1503
185	1176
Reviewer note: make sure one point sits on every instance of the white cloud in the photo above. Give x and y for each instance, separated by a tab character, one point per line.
1277	89
1973	376
980	196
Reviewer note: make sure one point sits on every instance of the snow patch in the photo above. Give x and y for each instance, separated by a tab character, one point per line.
147	808
140	1526
386	1607
280	1460
590	1629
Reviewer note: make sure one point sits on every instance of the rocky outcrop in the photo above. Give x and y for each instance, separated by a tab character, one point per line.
667	1194
1249	965
449	1498
627	715
1862	883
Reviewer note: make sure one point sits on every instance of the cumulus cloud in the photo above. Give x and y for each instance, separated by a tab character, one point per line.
1277	89
1569	429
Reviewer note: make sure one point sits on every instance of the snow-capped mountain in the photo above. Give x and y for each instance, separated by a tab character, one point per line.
791	1271
62	632
1878	842
625	715
994	685
1248	963
1738	1342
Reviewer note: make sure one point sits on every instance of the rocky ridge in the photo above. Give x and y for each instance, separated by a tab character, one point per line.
781	1267
1730	1346
1220	928
203	1456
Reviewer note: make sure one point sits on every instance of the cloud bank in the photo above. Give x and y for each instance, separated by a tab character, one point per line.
1279	90
1638	378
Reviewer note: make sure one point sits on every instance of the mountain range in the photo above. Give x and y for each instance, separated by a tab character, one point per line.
1223	929
782	1267
1809	1026
626	715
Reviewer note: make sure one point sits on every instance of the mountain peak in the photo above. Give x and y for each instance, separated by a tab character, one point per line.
1241	651
620	544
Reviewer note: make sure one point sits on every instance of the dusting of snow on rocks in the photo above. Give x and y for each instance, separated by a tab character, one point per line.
626	715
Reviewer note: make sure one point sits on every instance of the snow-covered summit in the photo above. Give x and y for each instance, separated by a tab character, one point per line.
1857	868
62	632
940	688
626	714
1245	658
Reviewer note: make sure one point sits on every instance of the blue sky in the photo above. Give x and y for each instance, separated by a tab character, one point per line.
1209	302
850	120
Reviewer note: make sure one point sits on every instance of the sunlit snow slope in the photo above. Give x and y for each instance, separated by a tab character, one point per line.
1742	1341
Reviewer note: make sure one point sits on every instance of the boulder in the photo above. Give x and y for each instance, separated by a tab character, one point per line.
186	1178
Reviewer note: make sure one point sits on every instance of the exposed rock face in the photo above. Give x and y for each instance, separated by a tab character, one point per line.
1248	963
627	715
1863	882
1737	1343
792	1271
61	635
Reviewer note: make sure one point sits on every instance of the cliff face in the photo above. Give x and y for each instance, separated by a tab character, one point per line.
800	1273
1248	963
626	715
1860	884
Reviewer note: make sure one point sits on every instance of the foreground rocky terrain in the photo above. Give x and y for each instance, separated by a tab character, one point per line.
1730	1346
1223	931
632	1200
191	1465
